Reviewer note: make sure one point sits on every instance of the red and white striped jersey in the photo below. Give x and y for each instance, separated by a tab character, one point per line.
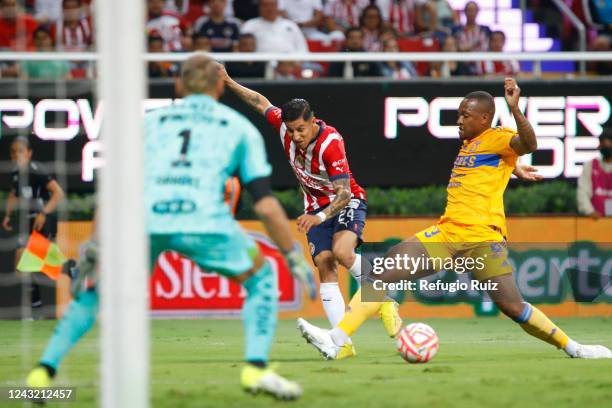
399	14
498	67
345	13
316	167
79	38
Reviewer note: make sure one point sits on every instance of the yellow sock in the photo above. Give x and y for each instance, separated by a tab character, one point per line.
358	311
534	322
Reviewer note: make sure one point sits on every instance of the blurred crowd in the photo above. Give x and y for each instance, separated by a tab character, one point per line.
279	26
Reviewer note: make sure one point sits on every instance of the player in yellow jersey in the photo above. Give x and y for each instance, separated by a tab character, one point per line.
473	226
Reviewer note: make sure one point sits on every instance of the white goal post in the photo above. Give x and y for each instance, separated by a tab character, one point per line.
124	276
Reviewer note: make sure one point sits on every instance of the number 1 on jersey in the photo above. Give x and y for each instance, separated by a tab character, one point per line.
182	161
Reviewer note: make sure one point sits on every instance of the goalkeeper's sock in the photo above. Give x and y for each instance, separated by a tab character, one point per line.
534	322
333	302
259	313
78	320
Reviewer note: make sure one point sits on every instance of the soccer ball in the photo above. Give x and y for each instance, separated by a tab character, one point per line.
417	343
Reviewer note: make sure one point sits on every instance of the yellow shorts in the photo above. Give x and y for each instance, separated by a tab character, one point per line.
485	245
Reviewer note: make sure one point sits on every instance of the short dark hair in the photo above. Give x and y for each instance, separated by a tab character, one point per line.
606	134
295	109
471	2
41	29
66	1
197	35
498	32
23	140
485	99
352	29
246	35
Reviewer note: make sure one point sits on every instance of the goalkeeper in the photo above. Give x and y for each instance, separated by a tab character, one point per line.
191	149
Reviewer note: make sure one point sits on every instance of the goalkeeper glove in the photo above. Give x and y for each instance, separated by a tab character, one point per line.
301	269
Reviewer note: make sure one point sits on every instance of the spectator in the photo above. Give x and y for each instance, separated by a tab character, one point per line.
354	43
246	9
16	27
167	25
387	34
396	69
286	70
471	36
450	68
201	43
45	69
307	14
160	69
246	69
371	23
603	43
594	194
343	14
274	33
74	31
47	11
398	14
431	15
496	44
222	31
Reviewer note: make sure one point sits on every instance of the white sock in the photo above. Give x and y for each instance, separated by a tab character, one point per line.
339	337
355	270
333	302
571	348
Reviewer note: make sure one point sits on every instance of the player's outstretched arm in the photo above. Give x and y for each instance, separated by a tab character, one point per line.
255	100
526	172
526	141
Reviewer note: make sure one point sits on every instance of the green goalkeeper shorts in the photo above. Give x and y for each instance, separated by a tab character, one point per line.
228	254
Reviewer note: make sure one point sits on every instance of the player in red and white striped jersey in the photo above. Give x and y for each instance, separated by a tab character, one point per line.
334	204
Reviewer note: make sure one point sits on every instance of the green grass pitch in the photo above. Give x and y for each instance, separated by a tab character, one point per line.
483	362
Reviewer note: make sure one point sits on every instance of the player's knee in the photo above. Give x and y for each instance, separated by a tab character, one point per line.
326	265
511	309
344	255
263	282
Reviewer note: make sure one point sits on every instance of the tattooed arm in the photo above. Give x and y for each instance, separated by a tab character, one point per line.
342	188
526	141
255	100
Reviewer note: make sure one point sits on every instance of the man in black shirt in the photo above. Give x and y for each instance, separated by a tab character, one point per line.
37	193
222	31
354	43
248	69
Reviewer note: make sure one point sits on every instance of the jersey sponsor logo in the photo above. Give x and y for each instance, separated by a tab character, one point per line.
477	160
174	207
184	180
432	232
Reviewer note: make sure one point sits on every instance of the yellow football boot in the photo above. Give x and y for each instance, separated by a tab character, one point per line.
389	314
255	380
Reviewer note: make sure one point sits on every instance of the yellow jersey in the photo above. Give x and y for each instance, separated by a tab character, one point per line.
479	178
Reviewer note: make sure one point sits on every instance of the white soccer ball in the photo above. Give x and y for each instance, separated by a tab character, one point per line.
417	343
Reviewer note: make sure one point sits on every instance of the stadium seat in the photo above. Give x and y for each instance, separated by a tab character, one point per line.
418	44
324	46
